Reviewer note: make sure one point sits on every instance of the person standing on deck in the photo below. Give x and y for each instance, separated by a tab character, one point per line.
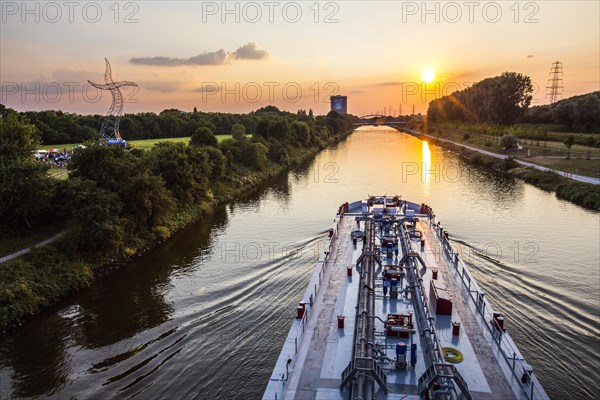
386	284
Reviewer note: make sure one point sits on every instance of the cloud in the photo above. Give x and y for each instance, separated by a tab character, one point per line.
208	89
529	56
249	51
218	57
394	83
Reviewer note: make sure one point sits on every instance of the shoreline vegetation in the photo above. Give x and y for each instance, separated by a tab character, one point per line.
489	112
586	195
538	144
119	204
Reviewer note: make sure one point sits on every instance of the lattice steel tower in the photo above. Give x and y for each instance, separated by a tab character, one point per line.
110	125
555	82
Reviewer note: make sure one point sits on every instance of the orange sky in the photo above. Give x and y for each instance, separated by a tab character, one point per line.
290	54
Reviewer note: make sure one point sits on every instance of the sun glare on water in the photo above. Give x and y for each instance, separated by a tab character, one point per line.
428	75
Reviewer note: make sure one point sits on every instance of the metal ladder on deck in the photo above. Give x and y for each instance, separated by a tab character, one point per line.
367	253
441	370
367	365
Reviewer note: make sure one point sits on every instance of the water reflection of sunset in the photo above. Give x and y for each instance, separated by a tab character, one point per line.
426	167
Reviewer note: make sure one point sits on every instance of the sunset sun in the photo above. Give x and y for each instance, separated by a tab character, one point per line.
428	75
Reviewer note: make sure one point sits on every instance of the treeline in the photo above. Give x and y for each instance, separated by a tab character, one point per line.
58	127
502	99
120	202
279	139
577	113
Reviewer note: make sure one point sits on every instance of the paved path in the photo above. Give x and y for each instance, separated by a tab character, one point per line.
60	173
580	178
28	249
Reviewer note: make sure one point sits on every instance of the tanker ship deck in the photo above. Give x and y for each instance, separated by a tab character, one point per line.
392	312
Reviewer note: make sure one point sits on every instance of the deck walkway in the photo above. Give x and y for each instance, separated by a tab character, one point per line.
480	347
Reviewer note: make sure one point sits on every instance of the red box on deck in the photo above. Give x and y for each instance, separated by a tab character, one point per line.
440	299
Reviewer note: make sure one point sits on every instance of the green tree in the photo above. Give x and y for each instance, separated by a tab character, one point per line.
278	153
148	204
570	141
245	153
97	226
509	98
201	170
502	99
587	111
508	142
590	142
563	113
216	162
108	166
171	162
25	188
146	201
170	123
203	136
262	127
301	133
238	131
198	120
279	130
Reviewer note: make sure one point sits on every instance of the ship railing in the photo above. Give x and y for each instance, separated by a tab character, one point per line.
522	371
323	263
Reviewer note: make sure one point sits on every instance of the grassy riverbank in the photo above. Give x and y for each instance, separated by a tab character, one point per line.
138	144
583	194
117	205
50	273
542	148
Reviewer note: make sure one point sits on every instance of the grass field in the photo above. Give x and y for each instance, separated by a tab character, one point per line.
551	154
61	173
138	144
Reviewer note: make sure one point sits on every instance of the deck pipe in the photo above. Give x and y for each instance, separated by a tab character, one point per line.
364	388
415	283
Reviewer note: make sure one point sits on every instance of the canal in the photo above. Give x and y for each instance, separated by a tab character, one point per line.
204	315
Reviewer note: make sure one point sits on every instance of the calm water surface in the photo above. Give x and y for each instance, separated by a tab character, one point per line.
204	315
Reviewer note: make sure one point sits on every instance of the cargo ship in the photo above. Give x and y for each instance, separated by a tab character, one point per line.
392	312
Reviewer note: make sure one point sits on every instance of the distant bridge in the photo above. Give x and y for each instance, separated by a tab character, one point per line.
378	120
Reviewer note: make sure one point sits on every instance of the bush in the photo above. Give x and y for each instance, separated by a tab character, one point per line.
203	136
26	189
278	153
466	136
176	165
510	163
280	130
246	153
585	194
238	131
216	162
508	142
